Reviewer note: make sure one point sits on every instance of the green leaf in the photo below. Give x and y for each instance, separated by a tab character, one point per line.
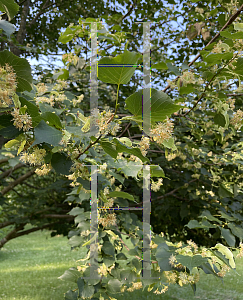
238	26
119	177
162	255
10	7
10	131
109	148
190	88
219	119
207	268
120	147
67	35
128	276
156	171
173	69
121	256
236	230
124	68
61	163
71	295
114	286
125	141
226	216
21	68
191	261
7	27
123	195
63	75
159	66
85	290
161	106
207	214
224	192
76	241
233	36
137	264
227	253
195	224
130	169
52	118
47	134
108	248
213	58
170	143
71	274
11	143
76	211
230	239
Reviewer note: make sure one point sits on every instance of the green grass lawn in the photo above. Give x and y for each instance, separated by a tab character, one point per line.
30	265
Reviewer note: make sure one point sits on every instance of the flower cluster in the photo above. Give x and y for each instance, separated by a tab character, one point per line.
219	47
79	171
43	170
61	84
155	186
135	286
109	219
70	58
163	290
105	126
223	271
162	131
144	145
240	254
231	103
48	100
103	270
21	121
41	88
193	245
78	100
171	156
8	85
103	167
236	121
35	158
187	78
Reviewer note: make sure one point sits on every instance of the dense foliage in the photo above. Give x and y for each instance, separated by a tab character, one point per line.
194	147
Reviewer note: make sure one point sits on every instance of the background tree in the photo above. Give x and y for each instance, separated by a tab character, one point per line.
201	162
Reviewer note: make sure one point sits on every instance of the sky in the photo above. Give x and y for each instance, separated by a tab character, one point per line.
56	60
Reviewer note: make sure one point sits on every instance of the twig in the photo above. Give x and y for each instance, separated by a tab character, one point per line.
125	129
210	81
231	19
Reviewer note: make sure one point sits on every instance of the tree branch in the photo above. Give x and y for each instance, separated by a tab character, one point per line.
21	33
14	233
11	234
58	216
6	173
128	125
230	21
45	6
5	224
17	181
4	160
210	81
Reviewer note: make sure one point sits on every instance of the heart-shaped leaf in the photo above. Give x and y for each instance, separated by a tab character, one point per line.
119	69
21	68
161	106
